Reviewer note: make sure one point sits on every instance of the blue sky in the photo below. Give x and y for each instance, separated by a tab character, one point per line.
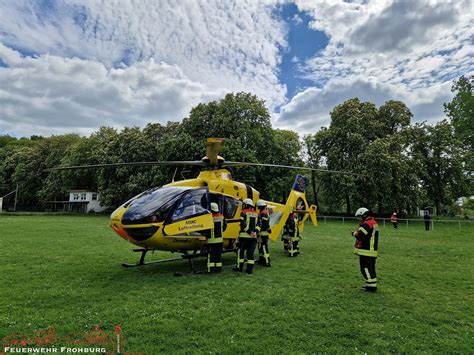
75	65
304	43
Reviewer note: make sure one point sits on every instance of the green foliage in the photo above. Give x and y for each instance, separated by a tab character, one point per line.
461	112
440	154
461	109
69	277
373	143
400	166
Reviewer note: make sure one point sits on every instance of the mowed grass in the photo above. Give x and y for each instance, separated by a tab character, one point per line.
64	272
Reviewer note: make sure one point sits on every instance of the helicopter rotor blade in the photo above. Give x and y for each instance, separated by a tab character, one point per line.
213	147
236	163
141	163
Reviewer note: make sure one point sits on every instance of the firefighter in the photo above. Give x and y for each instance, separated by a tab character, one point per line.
394	220
215	241
293	235
262	240
247	240
285	236
366	246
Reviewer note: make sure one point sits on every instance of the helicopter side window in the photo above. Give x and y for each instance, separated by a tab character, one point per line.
193	203
216	198
230	207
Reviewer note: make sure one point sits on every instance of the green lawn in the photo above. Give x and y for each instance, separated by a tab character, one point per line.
64	272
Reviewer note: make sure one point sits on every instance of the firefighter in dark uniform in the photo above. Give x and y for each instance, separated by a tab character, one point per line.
293	235
284	236
215	241
262	240
247	240
366	246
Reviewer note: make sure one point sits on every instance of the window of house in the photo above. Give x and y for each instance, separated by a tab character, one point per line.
83	197
94	197
75	197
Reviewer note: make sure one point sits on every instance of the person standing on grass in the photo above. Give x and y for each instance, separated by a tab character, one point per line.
366	246
394	220
247	240
215	241
293	235
427	219
264	224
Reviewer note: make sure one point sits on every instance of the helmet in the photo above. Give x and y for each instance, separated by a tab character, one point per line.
248	201
394	213
361	211
261	203
214	207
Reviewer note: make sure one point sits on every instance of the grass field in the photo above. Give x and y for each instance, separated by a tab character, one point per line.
64	272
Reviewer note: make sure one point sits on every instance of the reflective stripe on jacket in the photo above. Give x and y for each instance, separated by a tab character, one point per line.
248	223
264	223
367	236
217	231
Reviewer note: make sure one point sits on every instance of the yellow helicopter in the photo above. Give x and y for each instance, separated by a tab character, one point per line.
176	216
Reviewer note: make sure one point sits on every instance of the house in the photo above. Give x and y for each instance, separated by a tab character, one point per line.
83	201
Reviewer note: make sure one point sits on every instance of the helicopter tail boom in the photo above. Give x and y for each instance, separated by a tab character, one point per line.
296	202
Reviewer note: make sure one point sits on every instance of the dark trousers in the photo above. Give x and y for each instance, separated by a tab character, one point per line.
214	257
427	225
395	225
246	251
367	269
264	252
293	249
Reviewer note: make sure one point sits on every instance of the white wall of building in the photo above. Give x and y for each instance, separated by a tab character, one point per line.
87	196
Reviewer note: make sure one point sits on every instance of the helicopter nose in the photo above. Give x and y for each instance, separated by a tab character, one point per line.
120	231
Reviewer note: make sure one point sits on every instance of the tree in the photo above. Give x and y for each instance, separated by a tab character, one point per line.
29	164
461	109
353	126
117	185
370	142
244	122
440	154
461	112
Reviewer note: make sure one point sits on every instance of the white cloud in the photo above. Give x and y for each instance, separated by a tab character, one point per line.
381	50
50	95
230	46
310	109
127	63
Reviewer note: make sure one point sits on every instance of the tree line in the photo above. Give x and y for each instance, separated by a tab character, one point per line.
400	165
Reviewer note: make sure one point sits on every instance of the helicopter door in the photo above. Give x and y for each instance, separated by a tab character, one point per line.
191	214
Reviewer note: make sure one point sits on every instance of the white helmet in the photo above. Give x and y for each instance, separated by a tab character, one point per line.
214	207
261	203
248	201
361	211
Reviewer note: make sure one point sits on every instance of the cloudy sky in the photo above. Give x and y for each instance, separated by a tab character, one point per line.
75	65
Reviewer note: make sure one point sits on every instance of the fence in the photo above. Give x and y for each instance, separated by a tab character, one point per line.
383	222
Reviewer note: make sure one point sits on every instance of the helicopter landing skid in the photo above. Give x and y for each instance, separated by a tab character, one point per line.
184	256
142	262
190	258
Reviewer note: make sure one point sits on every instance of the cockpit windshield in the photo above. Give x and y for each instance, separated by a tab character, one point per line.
153	205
